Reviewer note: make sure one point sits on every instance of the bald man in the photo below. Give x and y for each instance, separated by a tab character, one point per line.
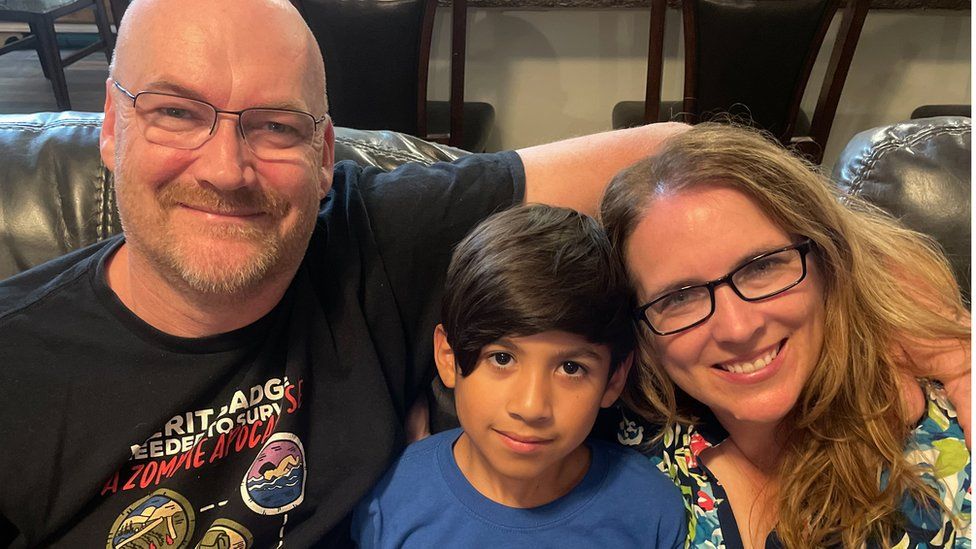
235	369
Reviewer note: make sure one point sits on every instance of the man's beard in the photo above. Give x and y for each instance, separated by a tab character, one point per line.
201	266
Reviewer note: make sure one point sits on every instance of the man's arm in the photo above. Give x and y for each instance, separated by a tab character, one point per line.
574	172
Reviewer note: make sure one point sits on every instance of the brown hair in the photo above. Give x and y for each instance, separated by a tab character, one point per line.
531	269
848	428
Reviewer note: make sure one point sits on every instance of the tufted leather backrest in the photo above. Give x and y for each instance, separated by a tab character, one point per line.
56	196
920	172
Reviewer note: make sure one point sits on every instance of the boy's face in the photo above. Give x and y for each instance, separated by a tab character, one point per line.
526	409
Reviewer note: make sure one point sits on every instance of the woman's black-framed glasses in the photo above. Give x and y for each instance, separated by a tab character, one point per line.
759	278
183	123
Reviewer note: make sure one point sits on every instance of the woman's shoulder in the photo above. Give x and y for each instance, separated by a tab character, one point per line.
938	448
657	442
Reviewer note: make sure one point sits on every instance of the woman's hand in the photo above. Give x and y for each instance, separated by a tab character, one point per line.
959	390
946	361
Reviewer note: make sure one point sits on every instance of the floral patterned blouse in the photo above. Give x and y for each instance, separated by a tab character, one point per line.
937	444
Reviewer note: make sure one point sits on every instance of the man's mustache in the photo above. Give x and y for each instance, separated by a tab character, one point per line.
235	201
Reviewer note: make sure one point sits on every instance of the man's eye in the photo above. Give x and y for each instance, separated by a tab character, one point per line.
500	360
278	127
174	112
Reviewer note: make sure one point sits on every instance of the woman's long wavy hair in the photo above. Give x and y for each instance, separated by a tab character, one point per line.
848	429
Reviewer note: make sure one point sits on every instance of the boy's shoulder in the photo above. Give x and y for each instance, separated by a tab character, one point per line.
430	444
414	472
630	472
421	456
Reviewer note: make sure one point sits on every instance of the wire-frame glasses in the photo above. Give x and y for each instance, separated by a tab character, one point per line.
183	123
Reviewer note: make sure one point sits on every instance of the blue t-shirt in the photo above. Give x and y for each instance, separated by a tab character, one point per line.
425	501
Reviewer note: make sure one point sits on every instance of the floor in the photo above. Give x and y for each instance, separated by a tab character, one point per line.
23	88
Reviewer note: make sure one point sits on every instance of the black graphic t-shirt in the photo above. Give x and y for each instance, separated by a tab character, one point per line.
114	434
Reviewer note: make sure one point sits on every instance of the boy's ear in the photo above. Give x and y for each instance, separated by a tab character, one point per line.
444	357
617	381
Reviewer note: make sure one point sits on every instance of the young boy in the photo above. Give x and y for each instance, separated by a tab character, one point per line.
536	337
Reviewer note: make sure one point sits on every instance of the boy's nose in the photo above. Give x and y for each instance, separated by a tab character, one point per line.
531	398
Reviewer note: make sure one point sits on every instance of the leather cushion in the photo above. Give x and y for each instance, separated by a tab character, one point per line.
920	172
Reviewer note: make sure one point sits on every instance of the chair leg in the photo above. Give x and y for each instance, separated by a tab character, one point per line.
104	29
40	56
48	47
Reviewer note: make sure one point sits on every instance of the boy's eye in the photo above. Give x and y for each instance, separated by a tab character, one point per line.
573	369
500	359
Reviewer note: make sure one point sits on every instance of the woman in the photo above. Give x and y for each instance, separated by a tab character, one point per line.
773	317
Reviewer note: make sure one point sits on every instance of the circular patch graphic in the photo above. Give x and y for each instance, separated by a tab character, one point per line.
226	534
163	519
275	481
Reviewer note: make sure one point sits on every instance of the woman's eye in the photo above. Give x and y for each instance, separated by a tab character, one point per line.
678	301
762	266
675	299
767	266
500	360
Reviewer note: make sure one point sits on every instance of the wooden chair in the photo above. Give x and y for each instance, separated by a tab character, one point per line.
376	57
752	59
40	16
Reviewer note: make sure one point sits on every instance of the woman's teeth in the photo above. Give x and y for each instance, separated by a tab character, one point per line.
754	366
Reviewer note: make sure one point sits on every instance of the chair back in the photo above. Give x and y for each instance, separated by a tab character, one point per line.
375	52
753	55
754	58
377	55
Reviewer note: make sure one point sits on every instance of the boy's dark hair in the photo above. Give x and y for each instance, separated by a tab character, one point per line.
531	269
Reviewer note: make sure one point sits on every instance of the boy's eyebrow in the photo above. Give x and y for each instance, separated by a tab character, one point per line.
507	343
581	352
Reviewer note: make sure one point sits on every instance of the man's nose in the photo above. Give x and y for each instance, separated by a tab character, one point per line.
224	160
531	397
735	320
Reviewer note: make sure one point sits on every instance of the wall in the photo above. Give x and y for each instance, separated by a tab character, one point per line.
557	73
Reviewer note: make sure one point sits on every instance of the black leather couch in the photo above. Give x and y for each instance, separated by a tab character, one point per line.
55	195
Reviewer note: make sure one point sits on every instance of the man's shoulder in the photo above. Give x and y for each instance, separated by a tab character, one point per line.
35	286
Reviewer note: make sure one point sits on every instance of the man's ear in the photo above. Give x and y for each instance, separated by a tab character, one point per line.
328	159
444	357
617	381
106	140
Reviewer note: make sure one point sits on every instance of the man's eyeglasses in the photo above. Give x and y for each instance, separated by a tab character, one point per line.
184	123
759	278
